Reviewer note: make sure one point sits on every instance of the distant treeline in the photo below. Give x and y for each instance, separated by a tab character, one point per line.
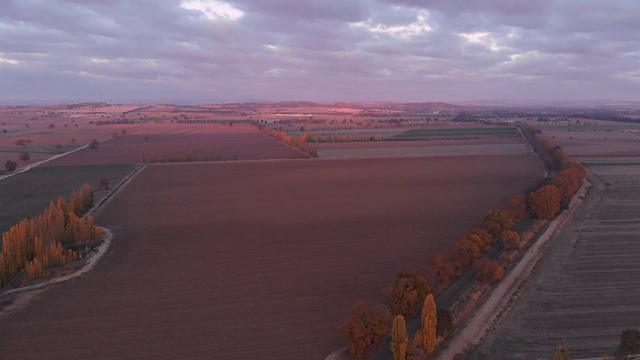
289	140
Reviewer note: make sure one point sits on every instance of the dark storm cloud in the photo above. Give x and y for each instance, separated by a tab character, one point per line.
319	50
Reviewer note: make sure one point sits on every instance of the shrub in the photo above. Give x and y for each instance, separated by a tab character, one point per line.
368	324
407	292
488	271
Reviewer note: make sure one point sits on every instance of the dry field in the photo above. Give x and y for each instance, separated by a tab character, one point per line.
587	289
248	260
372	149
581	144
239	142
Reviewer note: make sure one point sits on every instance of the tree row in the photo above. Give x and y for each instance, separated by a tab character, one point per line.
36	244
369	324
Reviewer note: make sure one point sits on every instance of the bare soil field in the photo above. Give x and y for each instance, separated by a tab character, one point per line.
242	260
587	288
239	142
594	143
503	146
25	195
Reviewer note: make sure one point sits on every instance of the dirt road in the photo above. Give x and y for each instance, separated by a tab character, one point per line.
475	328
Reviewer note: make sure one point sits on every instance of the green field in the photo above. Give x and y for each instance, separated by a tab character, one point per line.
48	150
460	133
25	195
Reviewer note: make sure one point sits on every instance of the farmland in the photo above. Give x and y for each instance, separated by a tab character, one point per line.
26	194
215	141
502	146
587	289
458	133
243	259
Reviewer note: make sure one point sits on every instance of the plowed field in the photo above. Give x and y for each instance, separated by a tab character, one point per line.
149	141
257	260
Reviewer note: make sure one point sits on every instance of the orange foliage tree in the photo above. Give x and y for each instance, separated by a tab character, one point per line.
496	222
368	324
399	339
488	270
407	292
37	243
516	206
511	240
292	141
545	202
429	324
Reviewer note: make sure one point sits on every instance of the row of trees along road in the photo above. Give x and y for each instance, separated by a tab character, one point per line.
368	326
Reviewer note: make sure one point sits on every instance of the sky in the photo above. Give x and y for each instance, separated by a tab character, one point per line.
211	51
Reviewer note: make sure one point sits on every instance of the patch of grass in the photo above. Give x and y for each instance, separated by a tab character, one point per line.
457	133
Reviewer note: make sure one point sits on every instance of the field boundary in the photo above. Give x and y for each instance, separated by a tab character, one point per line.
498	302
115	189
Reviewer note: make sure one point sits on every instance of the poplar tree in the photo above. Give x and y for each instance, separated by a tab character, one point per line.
429	323
399	340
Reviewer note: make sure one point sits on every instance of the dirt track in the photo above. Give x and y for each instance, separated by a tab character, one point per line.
587	289
474	330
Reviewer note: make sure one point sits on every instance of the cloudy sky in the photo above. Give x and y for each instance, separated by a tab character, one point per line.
319	50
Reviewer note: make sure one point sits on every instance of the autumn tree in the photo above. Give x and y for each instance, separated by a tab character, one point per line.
415	351
399	339
442	268
445	322
25	156
407	292
463	253
93	144
629	344
545	202
496	222
511	240
516	206
562	351
10	166
488	271
368	324
568	181
429	323
36	244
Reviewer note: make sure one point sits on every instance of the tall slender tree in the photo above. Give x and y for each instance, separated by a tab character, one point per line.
429	323
399	339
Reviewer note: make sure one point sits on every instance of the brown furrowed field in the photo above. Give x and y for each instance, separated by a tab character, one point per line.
587	289
257	260
220	142
372	149
596	144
